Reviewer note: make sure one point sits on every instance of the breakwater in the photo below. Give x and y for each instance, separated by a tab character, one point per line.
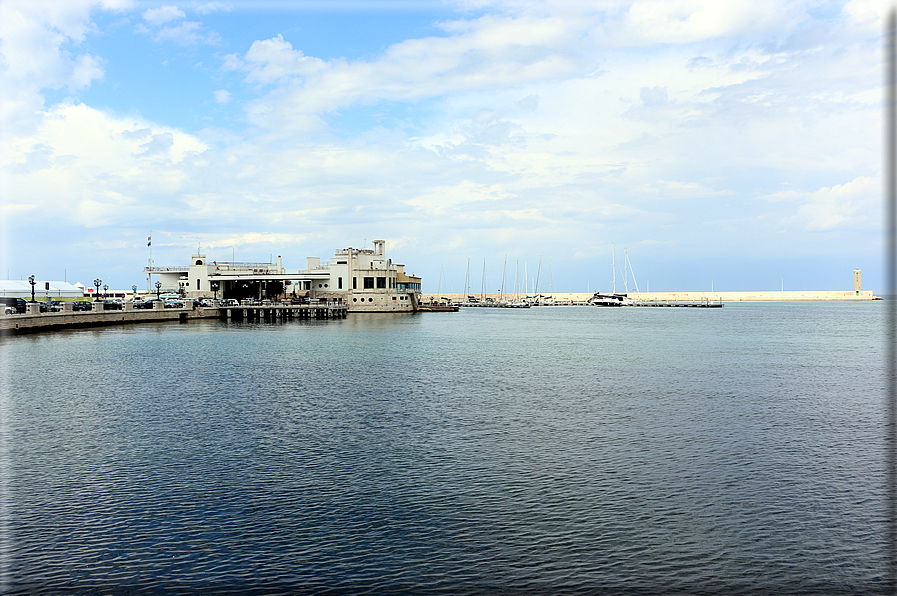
754	296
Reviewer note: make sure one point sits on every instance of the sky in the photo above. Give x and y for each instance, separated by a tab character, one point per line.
731	145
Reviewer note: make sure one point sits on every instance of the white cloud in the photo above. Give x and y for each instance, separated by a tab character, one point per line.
868	13
842	206
222	97
39	51
686	21
274	59
88	168
163	14
86	69
489	53
210	7
188	33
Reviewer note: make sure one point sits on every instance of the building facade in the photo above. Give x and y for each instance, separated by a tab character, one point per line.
364	279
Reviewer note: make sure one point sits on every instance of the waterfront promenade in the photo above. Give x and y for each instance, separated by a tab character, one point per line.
34	320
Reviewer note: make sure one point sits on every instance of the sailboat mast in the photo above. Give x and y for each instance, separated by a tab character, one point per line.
483	290
625	271
613	259
538	276
504	274
633	275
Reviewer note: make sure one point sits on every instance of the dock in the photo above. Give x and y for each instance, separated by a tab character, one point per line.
680	304
35	321
496	304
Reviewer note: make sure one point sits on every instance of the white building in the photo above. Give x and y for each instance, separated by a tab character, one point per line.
364	279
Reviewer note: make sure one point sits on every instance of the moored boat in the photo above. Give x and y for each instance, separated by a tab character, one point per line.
599	299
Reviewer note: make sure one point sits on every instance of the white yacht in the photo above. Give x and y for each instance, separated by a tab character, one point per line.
599	299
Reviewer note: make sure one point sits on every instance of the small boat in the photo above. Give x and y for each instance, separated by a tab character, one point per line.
599	299
437	307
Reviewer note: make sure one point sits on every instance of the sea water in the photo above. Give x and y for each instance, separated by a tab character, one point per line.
550	450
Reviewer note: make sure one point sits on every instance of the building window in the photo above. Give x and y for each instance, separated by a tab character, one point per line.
393	297
197	283
370	299
354	299
368	283
339	281
354	283
381	282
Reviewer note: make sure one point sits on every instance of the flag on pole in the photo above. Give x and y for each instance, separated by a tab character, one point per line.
149	241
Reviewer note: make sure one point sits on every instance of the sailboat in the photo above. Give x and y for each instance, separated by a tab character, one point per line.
614	299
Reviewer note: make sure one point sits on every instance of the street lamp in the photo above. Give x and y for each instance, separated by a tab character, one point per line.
97	283
32	282
158	289
214	286
105	289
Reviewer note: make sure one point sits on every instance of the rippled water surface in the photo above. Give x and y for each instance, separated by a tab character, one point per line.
552	450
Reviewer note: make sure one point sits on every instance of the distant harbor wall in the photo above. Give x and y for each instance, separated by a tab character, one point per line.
760	296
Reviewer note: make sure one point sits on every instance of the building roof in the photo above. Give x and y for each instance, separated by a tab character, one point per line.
20	288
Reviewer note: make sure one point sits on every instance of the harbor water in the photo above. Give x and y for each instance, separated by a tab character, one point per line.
544	450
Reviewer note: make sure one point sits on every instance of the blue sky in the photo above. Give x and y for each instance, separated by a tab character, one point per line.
731	143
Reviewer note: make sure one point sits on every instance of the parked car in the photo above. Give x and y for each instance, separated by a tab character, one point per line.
109	304
13	305
81	305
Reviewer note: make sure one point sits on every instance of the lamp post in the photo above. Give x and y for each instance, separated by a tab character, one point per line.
214	286
97	283
105	289
32	282
158	289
